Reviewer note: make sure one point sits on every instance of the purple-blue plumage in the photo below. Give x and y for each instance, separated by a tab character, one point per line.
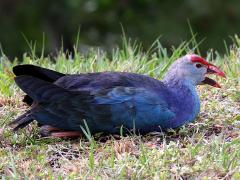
110	101
181	98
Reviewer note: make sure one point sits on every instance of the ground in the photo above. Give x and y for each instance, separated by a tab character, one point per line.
208	147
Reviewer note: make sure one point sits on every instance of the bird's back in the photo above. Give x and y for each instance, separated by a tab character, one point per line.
105	80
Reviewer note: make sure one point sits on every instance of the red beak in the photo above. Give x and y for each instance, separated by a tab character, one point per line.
211	69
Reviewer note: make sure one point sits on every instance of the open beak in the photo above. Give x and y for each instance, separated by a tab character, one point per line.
212	69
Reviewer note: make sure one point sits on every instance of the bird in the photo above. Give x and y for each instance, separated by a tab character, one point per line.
69	105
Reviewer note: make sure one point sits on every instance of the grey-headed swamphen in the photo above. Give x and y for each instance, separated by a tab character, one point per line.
109	101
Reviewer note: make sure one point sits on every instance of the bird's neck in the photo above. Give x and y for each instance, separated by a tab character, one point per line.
185	101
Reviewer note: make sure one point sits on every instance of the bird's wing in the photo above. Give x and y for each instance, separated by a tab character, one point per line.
103	109
124	105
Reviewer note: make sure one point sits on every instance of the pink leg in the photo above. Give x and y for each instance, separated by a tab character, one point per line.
50	131
67	134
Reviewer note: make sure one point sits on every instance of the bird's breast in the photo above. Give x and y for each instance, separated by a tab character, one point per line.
185	103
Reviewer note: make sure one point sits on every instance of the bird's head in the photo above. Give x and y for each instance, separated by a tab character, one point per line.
194	68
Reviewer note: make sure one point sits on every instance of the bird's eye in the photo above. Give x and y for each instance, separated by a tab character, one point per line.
199	65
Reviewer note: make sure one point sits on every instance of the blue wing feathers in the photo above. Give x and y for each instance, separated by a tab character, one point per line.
127	104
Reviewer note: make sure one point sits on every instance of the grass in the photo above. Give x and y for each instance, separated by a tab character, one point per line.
207	148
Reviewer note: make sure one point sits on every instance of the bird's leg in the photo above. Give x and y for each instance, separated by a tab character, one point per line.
66	134
50	131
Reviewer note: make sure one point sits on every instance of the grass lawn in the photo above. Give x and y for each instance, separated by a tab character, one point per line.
209	147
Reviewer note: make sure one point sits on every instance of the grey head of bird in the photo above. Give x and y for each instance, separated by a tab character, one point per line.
193	69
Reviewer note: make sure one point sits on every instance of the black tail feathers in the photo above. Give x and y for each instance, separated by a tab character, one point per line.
21	121
38	72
